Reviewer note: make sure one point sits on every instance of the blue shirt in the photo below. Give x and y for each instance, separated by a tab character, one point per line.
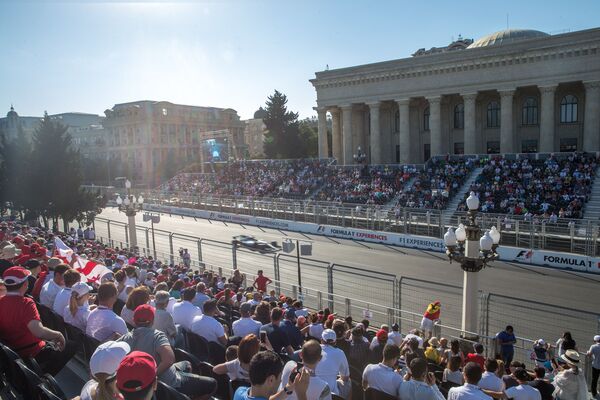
293	333
243	393
506	337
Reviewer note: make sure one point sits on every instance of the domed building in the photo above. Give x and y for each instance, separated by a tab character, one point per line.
512	91
14	124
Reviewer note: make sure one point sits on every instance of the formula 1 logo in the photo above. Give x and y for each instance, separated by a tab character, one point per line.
321	229
524	255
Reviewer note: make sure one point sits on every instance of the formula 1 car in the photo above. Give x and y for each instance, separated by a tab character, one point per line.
252	243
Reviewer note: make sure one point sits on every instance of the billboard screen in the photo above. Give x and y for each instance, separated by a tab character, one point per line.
215	150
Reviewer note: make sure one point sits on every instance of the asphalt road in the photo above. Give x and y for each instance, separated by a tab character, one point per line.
539	302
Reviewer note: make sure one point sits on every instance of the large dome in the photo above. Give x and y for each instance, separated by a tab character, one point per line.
507	36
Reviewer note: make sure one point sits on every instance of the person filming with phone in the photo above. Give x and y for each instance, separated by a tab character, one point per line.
310	356
419	384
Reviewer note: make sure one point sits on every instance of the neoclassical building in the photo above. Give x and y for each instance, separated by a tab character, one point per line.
512	91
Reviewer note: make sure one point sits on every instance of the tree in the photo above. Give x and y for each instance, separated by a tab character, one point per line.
282	137
309	137
16	156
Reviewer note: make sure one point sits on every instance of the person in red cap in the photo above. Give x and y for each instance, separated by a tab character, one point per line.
22	330
154	342
376	350
136	376
431	315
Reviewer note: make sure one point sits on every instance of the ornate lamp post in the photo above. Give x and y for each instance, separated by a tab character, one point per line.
130	206
359	157
472	251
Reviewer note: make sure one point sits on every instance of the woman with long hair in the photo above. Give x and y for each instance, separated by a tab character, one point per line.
122	288
176	289
138	296
565	343
78	310
238	368
103	367
453	351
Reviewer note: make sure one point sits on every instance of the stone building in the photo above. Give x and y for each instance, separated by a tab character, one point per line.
14	124
254	134
516	90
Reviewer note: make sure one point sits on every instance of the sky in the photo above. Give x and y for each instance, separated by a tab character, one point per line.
86	56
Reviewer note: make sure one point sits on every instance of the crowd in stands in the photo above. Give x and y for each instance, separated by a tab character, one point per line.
157	327
437	183
552	188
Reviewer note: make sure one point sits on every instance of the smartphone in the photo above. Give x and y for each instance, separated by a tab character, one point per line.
296	371
263	337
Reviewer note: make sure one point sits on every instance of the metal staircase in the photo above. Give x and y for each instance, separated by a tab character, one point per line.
459	196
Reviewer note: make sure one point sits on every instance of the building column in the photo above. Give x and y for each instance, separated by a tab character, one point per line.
375	133
336	135
591	123
322	129
404	134
435	125
547	119
469	130
506	122
347	134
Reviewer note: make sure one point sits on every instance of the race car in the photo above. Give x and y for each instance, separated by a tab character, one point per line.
252	243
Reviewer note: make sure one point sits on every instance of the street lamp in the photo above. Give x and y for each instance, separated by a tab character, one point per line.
130	205
359	157
472	250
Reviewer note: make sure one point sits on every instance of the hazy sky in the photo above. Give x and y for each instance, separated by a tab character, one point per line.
86	56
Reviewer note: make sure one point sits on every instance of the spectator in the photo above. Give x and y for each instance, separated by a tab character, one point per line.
265	377
8	252
452	371
412	350
51	289
469	391
334	364
540	352
523	391
570	382
22	330
357	352
545	388
246	325
163	321
207	326
395	336
175	291
489	380
76	313
177	375
200	296
103	369
237	279
510	380
432	354
103	324
35	267
565	343
420	384
262	313
594	352
138	296
382	376
376	352
315	328
261	282
238	369
506	340
184	311
277	336
477	357
431	316
70	277
317	387
136	376
291	330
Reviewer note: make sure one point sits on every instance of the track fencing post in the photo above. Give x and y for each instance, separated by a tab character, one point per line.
172	255
108	229
330	287
234	256
276	273
126	234
199	250
147	238
399	301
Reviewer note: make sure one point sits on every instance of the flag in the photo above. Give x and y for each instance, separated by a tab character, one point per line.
91	269
62	250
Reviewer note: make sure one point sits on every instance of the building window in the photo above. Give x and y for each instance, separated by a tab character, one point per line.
426	152
459	116
529	146
397	153
426	120
397	121
493	147
530	111
568	144
568	109
493	114
459	148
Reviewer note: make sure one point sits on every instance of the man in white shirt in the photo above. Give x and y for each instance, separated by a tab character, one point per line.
382	376
51	288
469	391
184	312
103	324
489	380
523	391
246	325
317	387
395	336
207	326
332	364
421	385
70	277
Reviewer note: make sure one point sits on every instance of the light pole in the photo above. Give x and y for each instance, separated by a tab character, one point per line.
154	219
130	206
288	246
473	251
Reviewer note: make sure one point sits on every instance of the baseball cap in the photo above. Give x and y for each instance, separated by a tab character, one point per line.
329	335
597	338
107	357
15	275
143	314
381	335
136	372
81	288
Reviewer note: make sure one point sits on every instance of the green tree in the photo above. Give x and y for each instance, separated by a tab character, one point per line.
309	137
16	155
282	137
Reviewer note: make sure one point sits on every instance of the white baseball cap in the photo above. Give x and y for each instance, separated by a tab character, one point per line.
107	357
329	335
597	338
81	288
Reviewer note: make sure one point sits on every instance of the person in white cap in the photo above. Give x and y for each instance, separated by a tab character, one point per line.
333	364
570	381
103	368
594	352
78	310
540	352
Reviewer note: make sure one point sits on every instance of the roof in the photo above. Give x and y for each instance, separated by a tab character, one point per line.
507	36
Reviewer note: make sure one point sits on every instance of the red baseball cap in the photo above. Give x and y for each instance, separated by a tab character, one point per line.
143	314
15	275
381	335
136	372
18	240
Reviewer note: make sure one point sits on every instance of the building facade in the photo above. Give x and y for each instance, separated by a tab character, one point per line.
13	124
508	92
254	134
145	137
